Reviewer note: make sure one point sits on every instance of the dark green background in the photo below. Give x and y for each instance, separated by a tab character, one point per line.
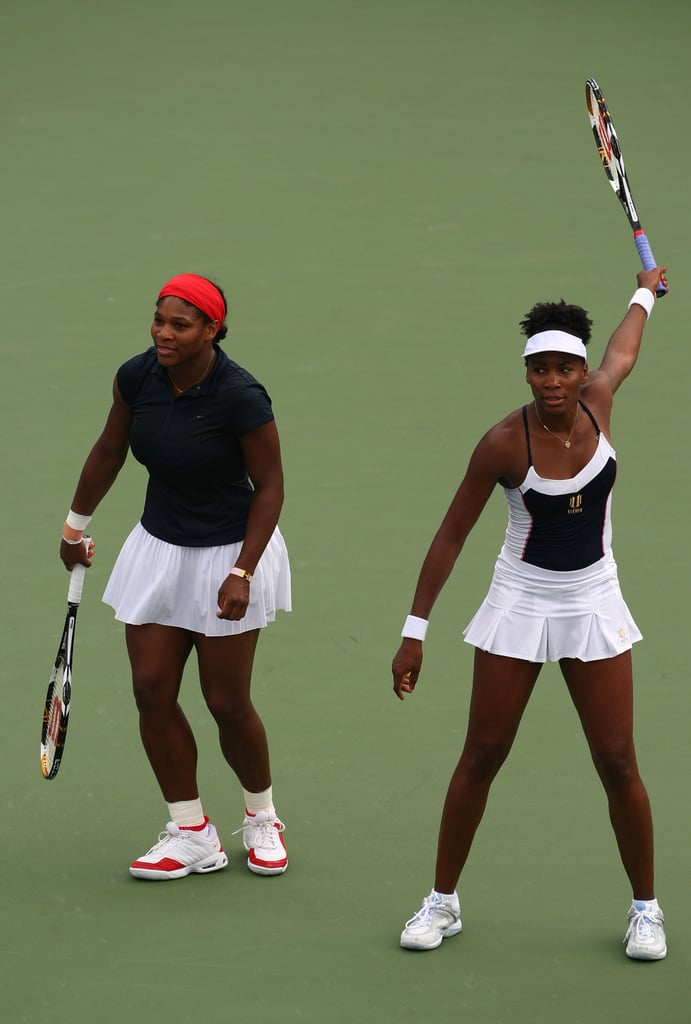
383	188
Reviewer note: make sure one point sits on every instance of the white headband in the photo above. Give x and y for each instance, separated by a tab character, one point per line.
555	341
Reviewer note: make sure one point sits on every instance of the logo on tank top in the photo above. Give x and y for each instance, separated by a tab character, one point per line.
575	504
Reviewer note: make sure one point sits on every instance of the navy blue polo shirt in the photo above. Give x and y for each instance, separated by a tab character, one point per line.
199	493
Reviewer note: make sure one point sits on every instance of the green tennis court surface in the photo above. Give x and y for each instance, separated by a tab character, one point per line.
383	189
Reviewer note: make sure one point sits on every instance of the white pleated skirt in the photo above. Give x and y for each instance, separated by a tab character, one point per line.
153	581
539	615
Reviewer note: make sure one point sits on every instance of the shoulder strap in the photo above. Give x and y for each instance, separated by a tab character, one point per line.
524	411
592	418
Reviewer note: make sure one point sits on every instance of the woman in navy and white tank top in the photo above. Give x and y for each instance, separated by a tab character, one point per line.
563	524
554	596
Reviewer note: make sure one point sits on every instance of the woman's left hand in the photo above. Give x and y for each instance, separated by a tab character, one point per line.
233	598
406	667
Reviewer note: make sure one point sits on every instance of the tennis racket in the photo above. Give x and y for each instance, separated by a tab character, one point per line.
609	149
56	712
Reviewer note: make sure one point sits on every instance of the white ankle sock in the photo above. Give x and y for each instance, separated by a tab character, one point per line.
187	813
452	897
648	904
255	802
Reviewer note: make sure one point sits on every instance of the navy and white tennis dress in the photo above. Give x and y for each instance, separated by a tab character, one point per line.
555	590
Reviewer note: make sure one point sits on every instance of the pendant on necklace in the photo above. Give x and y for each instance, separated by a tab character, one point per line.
567	444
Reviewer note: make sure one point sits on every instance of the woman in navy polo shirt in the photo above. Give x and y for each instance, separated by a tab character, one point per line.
204	570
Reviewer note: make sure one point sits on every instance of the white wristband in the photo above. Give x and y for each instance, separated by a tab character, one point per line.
415	628
643	297
77	521
237	571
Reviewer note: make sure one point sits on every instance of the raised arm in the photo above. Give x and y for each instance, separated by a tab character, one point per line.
625	343
102	466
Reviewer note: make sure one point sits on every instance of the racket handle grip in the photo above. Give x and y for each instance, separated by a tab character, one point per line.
647	258
74	594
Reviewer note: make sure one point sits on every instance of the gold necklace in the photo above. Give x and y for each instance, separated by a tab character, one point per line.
181	391
567	442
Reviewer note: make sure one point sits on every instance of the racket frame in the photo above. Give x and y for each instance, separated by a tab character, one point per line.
612	159
58	700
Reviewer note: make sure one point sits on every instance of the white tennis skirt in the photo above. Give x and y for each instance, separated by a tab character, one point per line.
539	615
153	581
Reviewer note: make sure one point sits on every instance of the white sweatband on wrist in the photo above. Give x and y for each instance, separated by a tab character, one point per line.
643	297
77	521
415	628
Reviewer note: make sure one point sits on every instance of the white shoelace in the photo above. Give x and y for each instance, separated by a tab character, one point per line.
429	906
642	926
165	838
267	827
172	835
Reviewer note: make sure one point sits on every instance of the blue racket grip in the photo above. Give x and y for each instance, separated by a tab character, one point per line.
647	258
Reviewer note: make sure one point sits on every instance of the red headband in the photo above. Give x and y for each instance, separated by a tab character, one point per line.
200	292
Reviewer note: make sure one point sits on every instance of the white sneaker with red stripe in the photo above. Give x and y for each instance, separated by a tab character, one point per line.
262	835
180	852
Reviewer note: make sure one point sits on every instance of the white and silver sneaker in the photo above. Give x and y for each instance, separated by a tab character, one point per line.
262	836
645	937
181	852
438	918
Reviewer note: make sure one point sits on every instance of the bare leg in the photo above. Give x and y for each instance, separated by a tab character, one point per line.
225	670
602	692
157	656
501	689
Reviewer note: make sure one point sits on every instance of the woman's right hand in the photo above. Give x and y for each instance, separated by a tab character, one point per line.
76	554
653	279
406	667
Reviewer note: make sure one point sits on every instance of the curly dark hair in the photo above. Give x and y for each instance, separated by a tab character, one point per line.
222	332
557	316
